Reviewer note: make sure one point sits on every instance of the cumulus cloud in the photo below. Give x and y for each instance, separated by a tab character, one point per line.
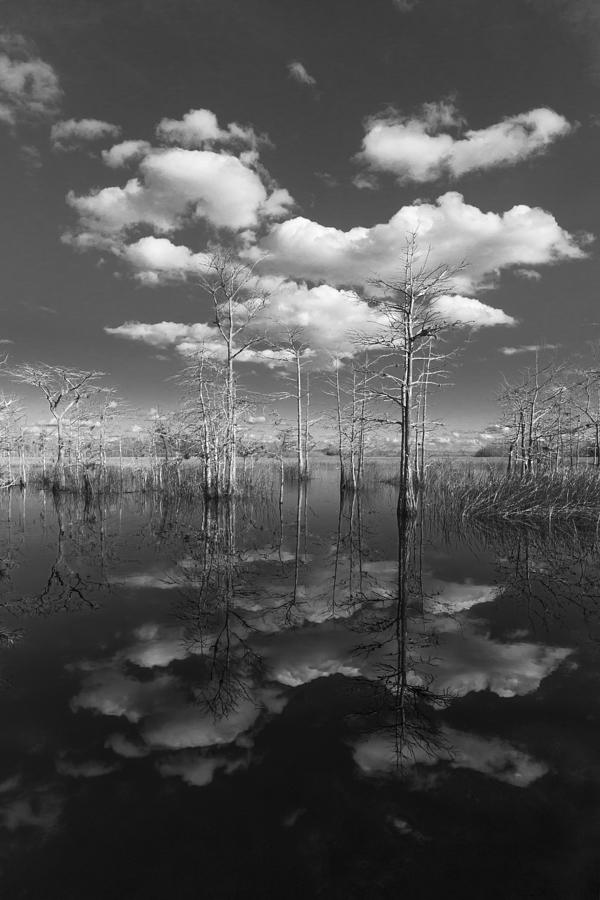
125	153
468	311
29	87
200	128
452	229
298	73
312	314
72	134
422	148
154	259
174	187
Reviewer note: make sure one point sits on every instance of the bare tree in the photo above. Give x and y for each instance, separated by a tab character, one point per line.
63	389
231	284
404	357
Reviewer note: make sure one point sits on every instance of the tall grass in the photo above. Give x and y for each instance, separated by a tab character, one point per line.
486	493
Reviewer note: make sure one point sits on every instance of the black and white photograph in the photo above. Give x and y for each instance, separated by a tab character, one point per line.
299	449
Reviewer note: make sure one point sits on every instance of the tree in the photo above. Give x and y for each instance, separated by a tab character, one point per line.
63	389
231	285
405	362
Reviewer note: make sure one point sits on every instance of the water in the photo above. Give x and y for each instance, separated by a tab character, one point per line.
294	701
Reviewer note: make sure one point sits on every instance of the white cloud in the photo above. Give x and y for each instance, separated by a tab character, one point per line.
188	339
417	149
200	128
175	187
29	87
72	134
329	319
156	258
468	311
452	229
298	73
124	153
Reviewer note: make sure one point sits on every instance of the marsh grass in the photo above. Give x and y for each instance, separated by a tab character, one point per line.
468	489
487	493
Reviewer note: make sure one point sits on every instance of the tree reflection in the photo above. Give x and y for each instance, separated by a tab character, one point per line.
397	641
216	626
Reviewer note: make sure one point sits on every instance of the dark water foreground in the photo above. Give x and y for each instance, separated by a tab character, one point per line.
295	701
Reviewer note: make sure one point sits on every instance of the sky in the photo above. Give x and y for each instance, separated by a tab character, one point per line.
312	136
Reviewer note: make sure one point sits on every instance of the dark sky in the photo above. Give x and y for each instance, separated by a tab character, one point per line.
366	69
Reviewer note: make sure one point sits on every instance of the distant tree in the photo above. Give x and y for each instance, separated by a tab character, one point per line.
63	390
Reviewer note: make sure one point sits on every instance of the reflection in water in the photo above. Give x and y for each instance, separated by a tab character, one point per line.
294	659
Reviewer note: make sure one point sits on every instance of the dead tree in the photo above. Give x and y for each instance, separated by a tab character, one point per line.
63	389
231	284
403	356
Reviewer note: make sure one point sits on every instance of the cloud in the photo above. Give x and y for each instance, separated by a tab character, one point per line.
188	339
29	87
528	348
124	153
156	647
298	72
417	149
200	128
72	134
122	746
468	311
452	229
474	662
450	598
405	6
86	769
528	274
154	259
112	693
329	319
490	756
175	187
190	726
195	769
40	810
303	673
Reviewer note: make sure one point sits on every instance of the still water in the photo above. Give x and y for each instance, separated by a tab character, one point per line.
288	699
